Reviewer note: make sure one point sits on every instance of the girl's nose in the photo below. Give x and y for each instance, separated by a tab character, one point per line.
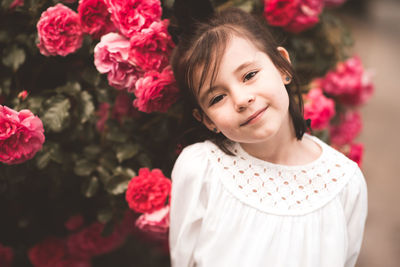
243	101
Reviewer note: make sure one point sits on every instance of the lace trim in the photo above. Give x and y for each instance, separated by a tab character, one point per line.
284	189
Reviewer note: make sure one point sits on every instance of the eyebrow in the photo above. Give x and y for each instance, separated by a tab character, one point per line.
237	70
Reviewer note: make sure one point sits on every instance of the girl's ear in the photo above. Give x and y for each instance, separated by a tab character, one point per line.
285	54
203	118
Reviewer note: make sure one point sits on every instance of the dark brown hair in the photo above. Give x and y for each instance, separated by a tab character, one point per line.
203	50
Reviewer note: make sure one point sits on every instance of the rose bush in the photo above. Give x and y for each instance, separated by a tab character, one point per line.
318	108
131	16
148	191
21	135
156	91
59	31
95	18
112	56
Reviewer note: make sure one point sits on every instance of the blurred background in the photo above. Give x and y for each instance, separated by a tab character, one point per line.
376	31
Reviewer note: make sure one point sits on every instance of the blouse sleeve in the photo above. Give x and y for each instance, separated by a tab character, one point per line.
188	203
355	209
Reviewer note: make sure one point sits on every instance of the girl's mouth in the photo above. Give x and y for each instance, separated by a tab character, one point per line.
254	117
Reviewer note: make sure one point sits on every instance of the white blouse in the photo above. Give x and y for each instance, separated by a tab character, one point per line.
242	211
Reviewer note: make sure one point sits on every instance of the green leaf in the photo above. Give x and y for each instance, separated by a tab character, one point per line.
118	184
86	106
43	158
92	151
91	76
115	134
5	86
13	57
104	215
35	104
71	88
104	175
56	116
84	167
90	187
126	151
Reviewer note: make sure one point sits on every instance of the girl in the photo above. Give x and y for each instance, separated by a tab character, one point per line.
258	192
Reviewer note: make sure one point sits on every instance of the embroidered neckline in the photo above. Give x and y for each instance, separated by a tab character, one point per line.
282	189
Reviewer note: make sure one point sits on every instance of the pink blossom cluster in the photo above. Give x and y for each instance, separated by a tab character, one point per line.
81	245
318	108
293	15
349	82
148	193
21	135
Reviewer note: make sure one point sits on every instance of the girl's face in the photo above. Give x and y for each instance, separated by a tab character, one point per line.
248	101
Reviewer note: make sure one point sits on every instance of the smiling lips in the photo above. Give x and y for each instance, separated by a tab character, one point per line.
253	118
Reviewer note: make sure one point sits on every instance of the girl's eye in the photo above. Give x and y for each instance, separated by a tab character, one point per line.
249	75
216	99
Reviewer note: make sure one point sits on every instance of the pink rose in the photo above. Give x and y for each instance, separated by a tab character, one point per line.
349	82
152	46
89	242
59	31
21	135
23	95
95	18
280	12
333	3
6	256
47	253
318	108
103	114
306	16
155	223
156	91
148	191
348	128
130	16
111	56
74	222
293	15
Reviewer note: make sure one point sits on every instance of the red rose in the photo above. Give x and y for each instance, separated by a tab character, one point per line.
306	16
349	82
47	253
148	191
89	242
59	31
356	153
73	263
150	48
293	15
280	12
130	16
111	56
6	256
155	223
21	135
95	18
318	108
156	91
74	222
16	3
348	128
